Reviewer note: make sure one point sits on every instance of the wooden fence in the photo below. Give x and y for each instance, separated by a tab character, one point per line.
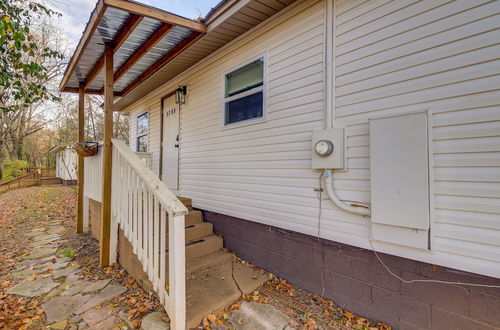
44	172
26	180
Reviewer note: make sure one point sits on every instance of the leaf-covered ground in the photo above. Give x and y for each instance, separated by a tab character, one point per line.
36	219
40	250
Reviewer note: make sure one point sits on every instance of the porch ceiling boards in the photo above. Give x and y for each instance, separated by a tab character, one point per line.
152	46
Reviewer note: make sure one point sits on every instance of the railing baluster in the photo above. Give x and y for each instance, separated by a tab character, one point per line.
156	250
130	199
134	212
163	255
141	207
140	219
149	242
177	271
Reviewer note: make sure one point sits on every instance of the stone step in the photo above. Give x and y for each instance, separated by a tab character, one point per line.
204	246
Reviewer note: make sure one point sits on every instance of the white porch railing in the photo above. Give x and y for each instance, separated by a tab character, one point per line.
93	173
146	157
143	207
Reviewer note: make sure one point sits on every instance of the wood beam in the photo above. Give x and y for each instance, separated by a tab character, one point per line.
132	22
162	31
81	178
163	61
107	157
161	15
88	91
95	18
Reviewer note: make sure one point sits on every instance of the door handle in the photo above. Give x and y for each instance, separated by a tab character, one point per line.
177	146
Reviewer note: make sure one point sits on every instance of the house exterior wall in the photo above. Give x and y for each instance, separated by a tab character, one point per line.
66	165
440	56
390	57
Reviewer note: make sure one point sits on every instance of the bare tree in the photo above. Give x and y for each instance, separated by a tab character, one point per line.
28	118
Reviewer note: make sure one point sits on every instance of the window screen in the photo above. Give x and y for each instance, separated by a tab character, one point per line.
244	93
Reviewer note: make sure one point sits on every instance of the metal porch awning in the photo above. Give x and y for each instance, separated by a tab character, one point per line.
143	39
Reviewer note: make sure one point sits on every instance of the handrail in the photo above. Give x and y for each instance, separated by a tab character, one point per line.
152	218
146	157
6	186
162	193
16	179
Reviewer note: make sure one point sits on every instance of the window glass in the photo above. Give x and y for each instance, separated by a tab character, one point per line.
244	93
142	132
143	124
244	108
245	78
142	143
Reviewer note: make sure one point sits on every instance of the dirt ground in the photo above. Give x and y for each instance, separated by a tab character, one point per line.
23	210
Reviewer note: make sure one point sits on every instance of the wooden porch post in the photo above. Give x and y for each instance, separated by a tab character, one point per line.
107	156
81	138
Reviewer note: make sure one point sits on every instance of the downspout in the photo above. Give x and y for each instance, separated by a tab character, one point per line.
351	207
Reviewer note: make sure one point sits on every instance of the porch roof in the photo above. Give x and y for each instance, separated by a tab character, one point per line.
152	46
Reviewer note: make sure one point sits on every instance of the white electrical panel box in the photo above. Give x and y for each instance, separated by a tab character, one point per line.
399	173
328	149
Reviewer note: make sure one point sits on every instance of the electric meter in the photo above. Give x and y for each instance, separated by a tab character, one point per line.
328	149
323	148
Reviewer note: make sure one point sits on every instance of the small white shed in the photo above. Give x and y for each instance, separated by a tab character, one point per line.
66	164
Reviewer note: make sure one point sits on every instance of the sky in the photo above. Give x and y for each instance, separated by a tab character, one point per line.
76	13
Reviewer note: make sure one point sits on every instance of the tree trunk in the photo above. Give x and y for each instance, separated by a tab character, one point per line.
1	162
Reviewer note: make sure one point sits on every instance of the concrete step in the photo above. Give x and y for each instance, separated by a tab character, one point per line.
203	262
198	230
204	246
193	217
186	201
210	260
212	287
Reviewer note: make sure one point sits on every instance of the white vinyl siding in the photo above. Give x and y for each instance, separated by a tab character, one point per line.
260	171
441	56
391	57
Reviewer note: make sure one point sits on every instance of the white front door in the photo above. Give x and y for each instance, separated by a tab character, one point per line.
170	171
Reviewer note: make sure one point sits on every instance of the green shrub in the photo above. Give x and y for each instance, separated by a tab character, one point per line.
13	168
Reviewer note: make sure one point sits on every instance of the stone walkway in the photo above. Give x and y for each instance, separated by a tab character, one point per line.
69	301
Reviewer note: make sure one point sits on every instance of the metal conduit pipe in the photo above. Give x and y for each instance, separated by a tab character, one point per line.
350	207
360	209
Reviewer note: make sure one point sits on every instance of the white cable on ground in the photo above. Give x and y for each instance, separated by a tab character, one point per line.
343	205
